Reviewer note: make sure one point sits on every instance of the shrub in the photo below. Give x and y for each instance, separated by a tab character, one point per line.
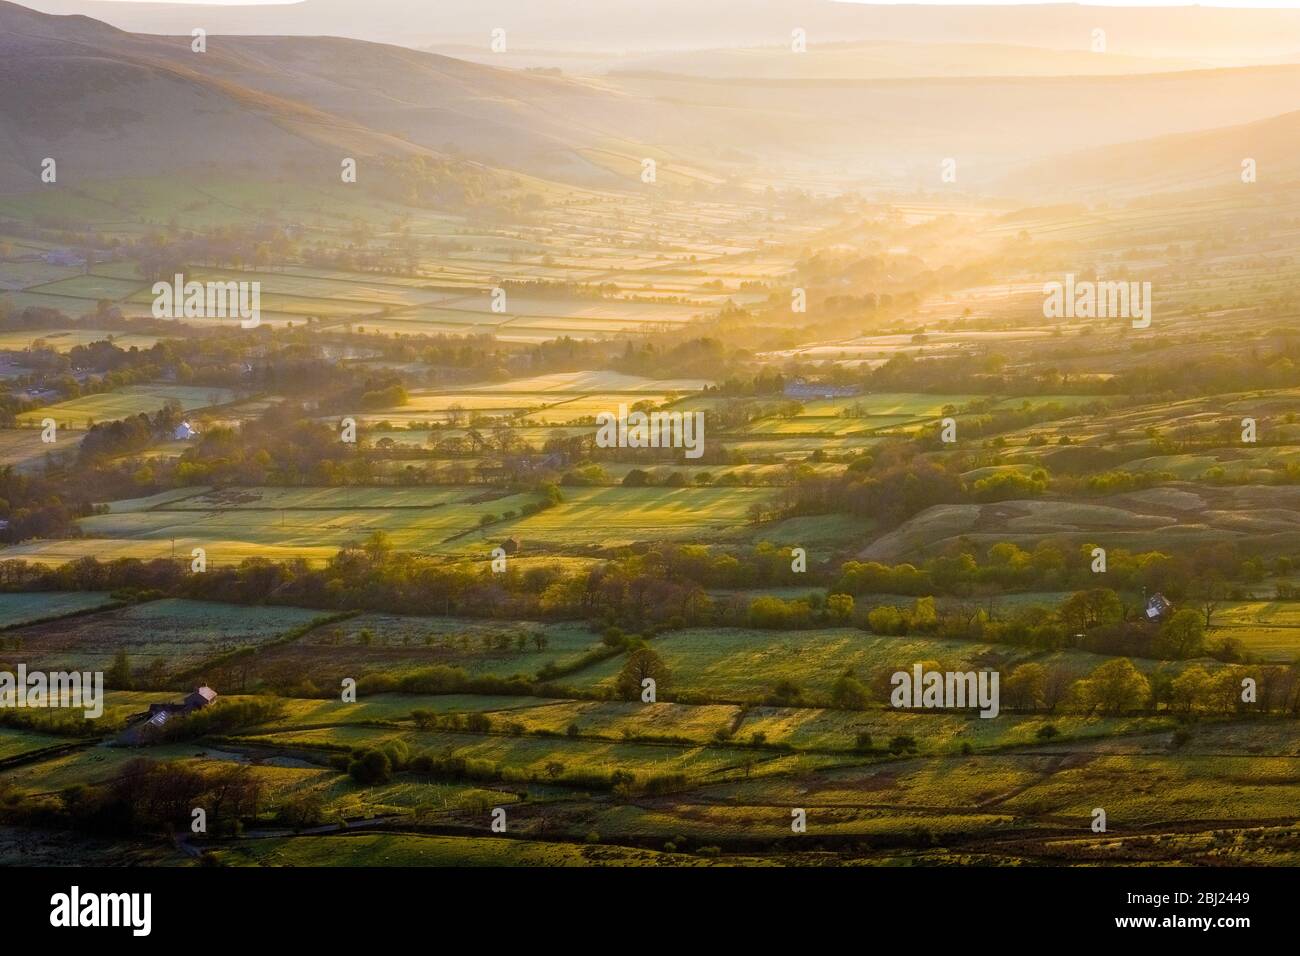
370	767
902	744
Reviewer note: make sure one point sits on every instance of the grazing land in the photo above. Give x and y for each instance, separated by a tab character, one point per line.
670	451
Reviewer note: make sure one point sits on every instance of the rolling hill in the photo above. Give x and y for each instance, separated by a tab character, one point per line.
108	103
1202	159
1231	36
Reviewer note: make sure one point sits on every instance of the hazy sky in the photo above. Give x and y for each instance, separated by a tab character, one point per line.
1276	4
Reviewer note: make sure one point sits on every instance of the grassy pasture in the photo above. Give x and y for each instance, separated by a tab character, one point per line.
1167	518
1268	629
410	850
831	427
811	727
695	723
310	523
538	407
738	663
576	310
1137	789
124	402
591	382
93	287
734	664
371	292
609	516
23	448
64	340
89	766
311	499
535	436
833	531
935	733
307	712
1257	613
221	550
177	632
589	407
529	755
894	405
395	645
759	448
18	609
149	502
14	743
21	275
441	401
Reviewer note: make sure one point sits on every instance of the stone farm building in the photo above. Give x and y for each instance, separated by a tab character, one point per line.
142	728
803	389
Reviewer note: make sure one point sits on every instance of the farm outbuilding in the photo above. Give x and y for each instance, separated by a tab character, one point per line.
141	728
1158	607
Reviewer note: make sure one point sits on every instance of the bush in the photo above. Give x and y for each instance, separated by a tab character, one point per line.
371	767
304	810
902	744
398	754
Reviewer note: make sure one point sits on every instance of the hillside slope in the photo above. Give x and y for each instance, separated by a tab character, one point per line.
106	103
1202	159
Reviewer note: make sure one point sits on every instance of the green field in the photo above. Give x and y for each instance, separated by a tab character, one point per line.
737	664
408	850
17	609
124	402
611	516
176	634
314	523
396	645
1269	630
62	340
498	277
529	757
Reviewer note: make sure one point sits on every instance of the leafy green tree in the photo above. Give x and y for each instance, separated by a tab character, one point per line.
1025	688
786	692
1190	690
372	766
1093	608
849	693
839	607
118	676
1182	636
642	663
1113	688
